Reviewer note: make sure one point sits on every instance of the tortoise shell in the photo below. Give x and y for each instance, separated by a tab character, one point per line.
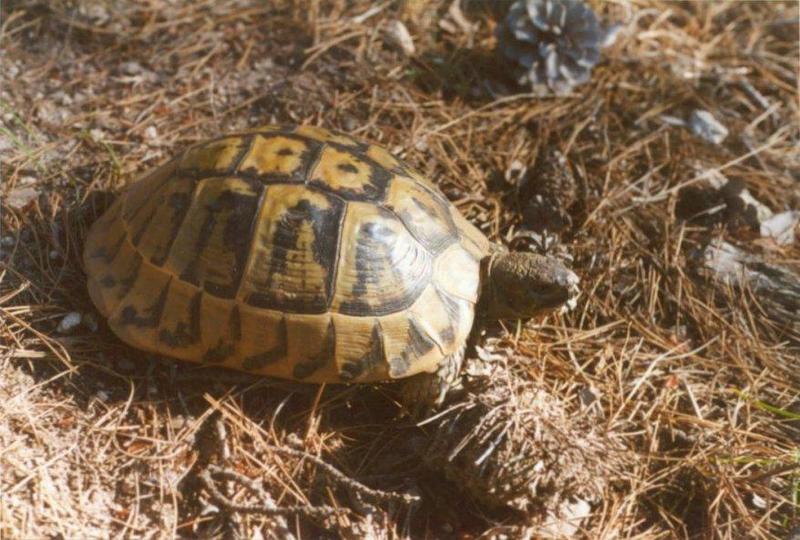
296	252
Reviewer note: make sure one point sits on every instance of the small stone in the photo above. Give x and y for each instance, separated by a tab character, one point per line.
103	396
131	68
398	35
759	502
706	126
20	196
95	11
762	211
46	112
150	133
97	135
264	65
587	396
62	98
350	123
568	522
781	227
69	322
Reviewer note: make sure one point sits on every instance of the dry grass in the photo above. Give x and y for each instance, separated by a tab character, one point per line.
701	387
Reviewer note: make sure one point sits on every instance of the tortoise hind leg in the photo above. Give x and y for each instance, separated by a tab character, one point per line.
427	391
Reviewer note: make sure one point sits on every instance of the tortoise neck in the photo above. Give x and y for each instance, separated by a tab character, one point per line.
487	297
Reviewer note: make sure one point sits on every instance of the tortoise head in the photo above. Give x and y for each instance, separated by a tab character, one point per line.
522	285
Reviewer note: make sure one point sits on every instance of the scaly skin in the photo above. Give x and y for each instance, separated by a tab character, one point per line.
514	286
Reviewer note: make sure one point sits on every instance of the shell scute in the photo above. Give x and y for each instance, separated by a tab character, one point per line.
361	349
217	157
266	348
137	316
293	256
382	269
212	245
221	330
278	156
156	226
328	136
383	158
423	213
179	327
349	175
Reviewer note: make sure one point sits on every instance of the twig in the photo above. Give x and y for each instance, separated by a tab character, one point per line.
267	507
354	485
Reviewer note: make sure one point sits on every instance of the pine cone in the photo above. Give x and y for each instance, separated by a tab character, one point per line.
546	194
553	43
520	448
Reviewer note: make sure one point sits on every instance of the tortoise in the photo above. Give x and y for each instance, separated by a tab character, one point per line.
302	253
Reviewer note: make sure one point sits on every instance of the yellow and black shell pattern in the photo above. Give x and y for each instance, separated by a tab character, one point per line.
293	252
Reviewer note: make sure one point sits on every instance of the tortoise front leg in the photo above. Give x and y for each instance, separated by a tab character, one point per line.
426	391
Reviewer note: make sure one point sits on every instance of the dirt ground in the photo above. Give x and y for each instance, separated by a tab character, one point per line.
678	391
